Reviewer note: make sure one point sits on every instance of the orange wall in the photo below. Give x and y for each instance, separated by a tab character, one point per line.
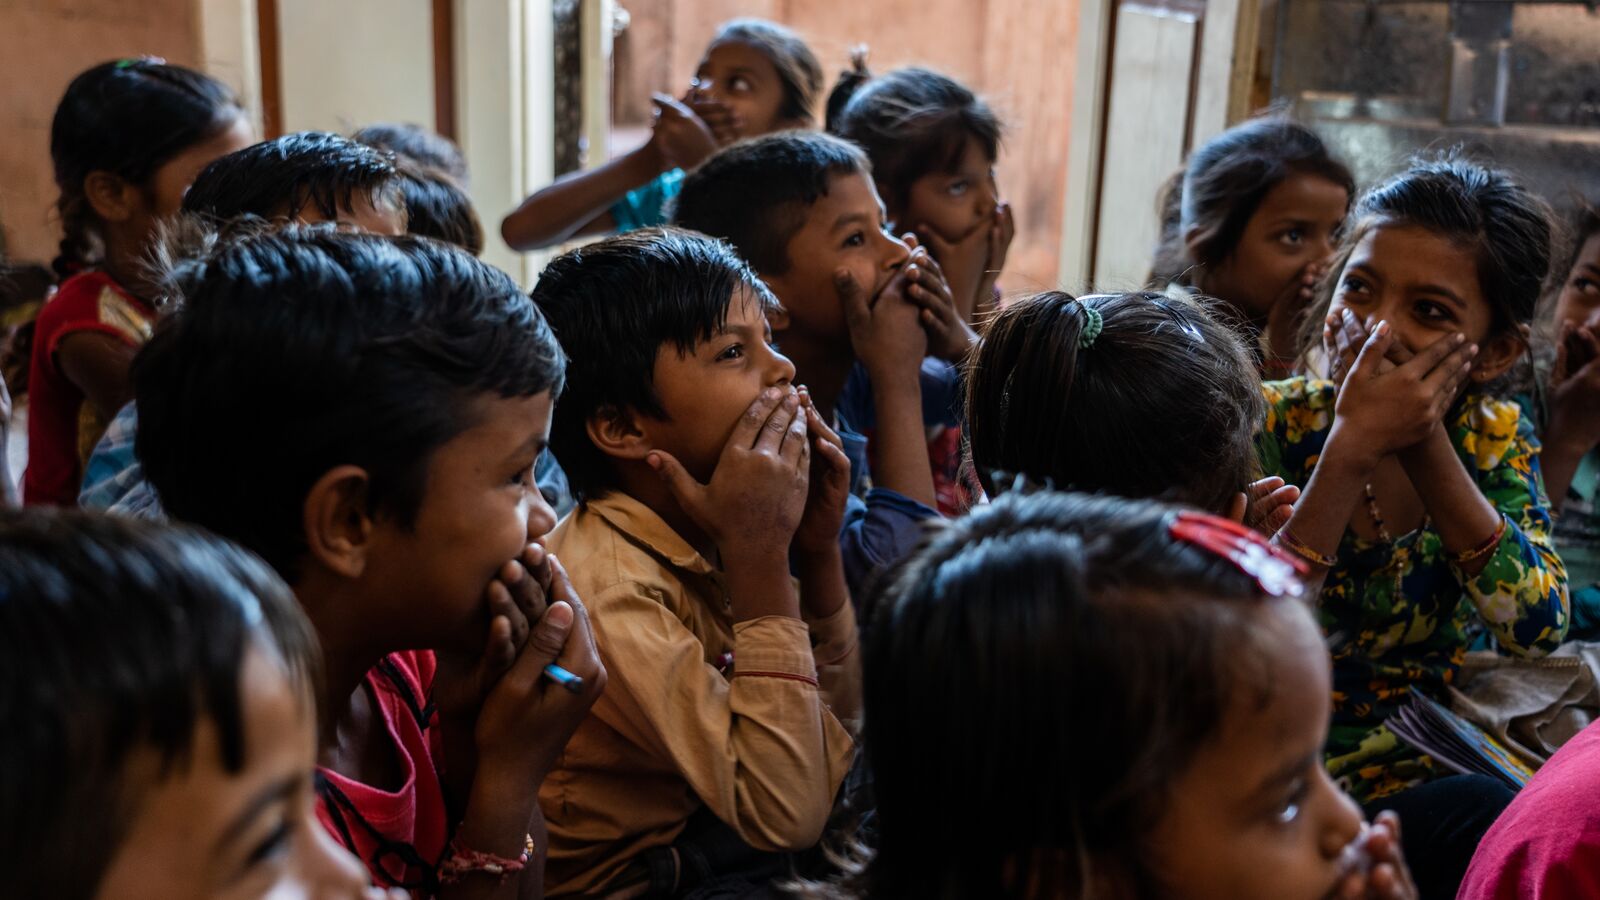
1018	53
43	44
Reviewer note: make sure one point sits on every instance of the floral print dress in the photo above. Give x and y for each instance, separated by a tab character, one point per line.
1399	616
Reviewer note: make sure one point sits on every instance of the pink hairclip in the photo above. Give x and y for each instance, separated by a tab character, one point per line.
1277	573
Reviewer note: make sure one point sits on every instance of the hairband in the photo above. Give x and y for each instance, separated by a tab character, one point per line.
141	60
1093	324
1275	572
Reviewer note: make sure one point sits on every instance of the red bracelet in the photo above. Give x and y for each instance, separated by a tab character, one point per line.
1485	547
462	862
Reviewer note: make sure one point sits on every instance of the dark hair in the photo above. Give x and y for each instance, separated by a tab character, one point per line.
1223	184
615	305
280	177
1164	403
117	635
438	208
796	65
304	348
420	145
755	193
910	122
1583	225
127	117
994	643
1487	210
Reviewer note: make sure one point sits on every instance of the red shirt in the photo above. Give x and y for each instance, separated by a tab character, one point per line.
63	426
399	835
1546	845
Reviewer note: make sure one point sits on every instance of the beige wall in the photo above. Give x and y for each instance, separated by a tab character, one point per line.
354	62
1018	53
43	44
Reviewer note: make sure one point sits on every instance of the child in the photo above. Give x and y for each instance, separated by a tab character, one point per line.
438	208
428	149
755	78
1132	701
933	145
364	413
1570	460
127	139
702	477
1422	497
167	685
309	176
803	212
1138	395
1252	221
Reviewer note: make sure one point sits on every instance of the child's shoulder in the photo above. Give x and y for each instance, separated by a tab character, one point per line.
94	300
1491	429
1305	390
1298	407
615	547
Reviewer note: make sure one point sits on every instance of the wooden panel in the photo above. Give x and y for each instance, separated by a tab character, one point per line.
1152	59
43	46
443	32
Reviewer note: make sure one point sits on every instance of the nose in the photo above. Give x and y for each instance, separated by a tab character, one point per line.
1342	822
541	517
781	370
895	252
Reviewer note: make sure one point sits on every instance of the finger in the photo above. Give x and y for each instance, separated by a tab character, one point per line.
581	656
499	651
1558	371
544	645
773	431
1265	486
685	489
818	427
796	447
1238	507
856	308
1436	353
747	431
832	454
1371	355
503	605
669	107
913	239
1448	361
536	559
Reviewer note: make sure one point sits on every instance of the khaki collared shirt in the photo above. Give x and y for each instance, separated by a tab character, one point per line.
759	742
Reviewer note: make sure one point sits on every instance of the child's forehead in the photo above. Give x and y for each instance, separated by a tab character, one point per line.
735	53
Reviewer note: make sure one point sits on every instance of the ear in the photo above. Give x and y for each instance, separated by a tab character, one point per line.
338	525
1193	238
1237	507
618	434
111	197
1499	354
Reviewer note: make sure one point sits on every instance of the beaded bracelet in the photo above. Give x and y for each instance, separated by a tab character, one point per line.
1304	551
1485	547
462	862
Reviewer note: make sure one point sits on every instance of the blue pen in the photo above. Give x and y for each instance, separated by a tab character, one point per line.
571	682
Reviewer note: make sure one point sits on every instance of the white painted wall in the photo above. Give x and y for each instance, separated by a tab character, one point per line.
348	63
231	49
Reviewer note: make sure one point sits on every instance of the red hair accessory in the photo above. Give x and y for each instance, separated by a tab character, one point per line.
1277	573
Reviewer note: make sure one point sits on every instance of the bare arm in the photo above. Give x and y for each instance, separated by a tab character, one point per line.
98	364
579	203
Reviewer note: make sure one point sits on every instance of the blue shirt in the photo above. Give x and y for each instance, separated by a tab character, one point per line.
646	205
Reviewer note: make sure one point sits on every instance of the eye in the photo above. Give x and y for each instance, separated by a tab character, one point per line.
1429	311
523	476
1293	237
1354	286
272	847
856	239
958	187
1586	285
733	351
1289	810
739	83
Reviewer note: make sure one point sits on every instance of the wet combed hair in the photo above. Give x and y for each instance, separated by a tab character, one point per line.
309	347
755	194
615	305
978	643
127	117
1487	210
1223	184
117	636
280	177
797	67
437	207
911	122
1163	404
420	145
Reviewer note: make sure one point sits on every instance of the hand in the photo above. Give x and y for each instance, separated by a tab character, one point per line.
965	258
830	486
757	495
517	596
1265	505
527	719
726	125
1575	389
1386	408
949	336
681	137
1000	237
885	330
1384	876
1280	338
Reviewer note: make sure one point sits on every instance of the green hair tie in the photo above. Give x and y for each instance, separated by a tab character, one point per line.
1093	324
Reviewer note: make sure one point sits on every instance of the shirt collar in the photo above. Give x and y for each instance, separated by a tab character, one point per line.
641	524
